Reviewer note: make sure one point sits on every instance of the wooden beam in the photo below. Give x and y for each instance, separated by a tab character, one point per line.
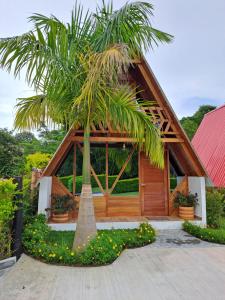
93	173
122	170
107	167
111	139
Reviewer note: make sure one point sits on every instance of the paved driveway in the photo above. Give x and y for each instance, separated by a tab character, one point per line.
177	266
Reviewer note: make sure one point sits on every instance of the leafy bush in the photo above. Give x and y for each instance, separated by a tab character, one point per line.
37	160
206	234
55	247
62	203
30	200
214	208
11	155
7	208
189	200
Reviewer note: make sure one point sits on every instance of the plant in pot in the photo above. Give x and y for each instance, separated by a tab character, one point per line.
186	205
61	206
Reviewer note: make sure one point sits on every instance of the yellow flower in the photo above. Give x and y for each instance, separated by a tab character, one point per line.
39	250
53	255
60	257
72	253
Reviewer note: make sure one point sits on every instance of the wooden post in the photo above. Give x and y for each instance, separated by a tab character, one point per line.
107	176
107	167
17	225
122	169
74	167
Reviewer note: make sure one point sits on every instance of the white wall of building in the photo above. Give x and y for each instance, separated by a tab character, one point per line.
197	185
45	190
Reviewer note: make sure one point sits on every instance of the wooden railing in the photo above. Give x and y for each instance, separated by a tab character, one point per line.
182	187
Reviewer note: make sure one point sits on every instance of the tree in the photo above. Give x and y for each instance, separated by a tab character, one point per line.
76	70
11	155
37	160
191	124
28	142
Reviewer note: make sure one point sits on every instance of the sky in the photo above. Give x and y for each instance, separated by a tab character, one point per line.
191	70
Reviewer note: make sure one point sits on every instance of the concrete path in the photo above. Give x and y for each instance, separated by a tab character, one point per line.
172	268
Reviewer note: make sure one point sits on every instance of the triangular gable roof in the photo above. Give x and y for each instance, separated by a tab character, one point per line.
209	143
190	160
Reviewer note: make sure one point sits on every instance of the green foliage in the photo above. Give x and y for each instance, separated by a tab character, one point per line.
191	124
62	203
7	191
214	207
55	247
189	200
37	160
173	183
7	208
30	200
123	185
206	234
28	142
11	155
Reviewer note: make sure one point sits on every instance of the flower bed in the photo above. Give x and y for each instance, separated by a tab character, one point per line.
55	246
206	234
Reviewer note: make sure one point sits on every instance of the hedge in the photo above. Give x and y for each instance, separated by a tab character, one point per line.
123	185
206	234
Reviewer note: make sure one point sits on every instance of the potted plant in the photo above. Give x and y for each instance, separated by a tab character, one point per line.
186	205
61	206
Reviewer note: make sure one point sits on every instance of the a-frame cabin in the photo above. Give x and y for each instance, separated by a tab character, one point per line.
155	196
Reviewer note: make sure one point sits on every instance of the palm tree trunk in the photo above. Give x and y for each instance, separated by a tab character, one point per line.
86	223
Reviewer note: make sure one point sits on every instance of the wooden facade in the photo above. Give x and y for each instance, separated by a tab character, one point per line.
155	197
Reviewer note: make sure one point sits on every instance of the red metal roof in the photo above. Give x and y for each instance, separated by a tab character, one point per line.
209	143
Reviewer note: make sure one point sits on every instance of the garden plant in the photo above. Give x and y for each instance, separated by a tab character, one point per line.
215	230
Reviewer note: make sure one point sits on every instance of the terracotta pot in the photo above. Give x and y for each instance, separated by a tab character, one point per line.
186	213
60	218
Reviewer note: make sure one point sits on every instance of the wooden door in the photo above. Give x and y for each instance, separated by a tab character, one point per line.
153	188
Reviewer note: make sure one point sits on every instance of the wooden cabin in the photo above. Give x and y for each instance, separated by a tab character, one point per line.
155	196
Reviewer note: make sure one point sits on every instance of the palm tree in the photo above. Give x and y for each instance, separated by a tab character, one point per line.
75	70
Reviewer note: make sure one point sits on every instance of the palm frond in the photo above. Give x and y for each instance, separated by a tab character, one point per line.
129	25
34	111
128	114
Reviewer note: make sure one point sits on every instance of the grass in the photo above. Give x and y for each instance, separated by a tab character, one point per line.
56	246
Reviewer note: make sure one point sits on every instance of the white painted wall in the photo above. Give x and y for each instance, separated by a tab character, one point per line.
45	190
197	185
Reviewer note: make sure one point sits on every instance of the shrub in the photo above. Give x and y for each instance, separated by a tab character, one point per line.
206	234
189	200
37	160
214	208
55	247
30	200
7	208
